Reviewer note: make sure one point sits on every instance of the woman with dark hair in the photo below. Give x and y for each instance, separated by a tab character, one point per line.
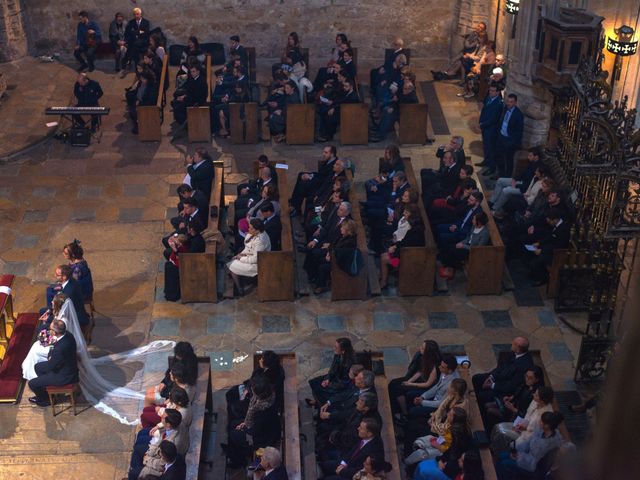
157	45
373	468
342	249
291	55
380	185
456	254
245	264
80	272
192	50
238	94
182	353
268	193
261	422
399	386
383	227
178	400
178	244
470	464
506	409
337	378
238	397
410	233
451	201
521	462
145	94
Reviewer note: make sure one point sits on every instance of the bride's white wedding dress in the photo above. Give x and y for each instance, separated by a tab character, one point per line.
114	384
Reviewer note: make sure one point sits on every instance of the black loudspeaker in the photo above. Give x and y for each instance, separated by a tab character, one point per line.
80	137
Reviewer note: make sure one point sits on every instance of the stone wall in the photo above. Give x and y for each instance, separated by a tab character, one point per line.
425	25
13	38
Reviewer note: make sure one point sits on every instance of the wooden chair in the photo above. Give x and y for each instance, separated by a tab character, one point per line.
301	124
354	124
276	269
198	271
199	118
70	390
412	125
243	123
150	118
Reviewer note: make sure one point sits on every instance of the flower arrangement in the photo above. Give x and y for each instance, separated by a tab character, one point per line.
46	338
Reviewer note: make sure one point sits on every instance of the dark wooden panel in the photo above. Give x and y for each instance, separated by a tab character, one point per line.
354	124
301	124
275	276
485	266
559	259
149	124
199	124
243	122
387	433
413	123
483	81
198	277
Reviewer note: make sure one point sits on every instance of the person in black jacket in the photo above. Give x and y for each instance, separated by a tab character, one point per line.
441	182
489	118
194	234
71	289
87	93
192	93
507	377
352	460
175	468
410	233
329	110
342	248
201	171
272	225
557	237
145	95
60	369
337	378
308	182
136	36
185	191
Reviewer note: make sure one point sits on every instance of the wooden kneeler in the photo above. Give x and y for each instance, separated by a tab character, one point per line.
243	122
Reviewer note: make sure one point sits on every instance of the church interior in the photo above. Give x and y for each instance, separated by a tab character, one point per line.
424	216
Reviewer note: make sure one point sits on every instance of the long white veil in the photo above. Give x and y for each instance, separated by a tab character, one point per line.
116	384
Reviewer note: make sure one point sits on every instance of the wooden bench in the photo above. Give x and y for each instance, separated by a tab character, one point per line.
199	117
243	123
198	271
388	433
343	285
560	257
412	124
276	269
201	407
483	81
291	454
417	269
301	124
150	117
354	124
477	424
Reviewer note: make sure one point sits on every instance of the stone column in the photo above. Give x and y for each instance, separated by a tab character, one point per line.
13	37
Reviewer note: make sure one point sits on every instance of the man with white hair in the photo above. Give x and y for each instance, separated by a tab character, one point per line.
136	36
270	467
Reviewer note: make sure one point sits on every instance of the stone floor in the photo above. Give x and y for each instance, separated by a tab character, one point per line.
114	196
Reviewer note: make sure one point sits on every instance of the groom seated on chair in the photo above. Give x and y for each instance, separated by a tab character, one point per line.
60	369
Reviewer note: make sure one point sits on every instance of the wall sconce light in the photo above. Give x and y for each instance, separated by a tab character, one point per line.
624	45
512	6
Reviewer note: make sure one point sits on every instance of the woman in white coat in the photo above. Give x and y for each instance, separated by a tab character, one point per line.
245	264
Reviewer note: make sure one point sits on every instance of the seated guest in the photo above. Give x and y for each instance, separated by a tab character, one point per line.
238	397
455	436
389	83
390	112
376	73
421	374
470	465
456	397
522	463
157	44
453	256
506	187
188	373
174	466
60	369
146	94
337	379
329	110
487	57
251	185
178	400
268	194
541	257
245	264
324	73
192	51
239	93
342	249
271	467
238	51
308	182
507	408
278	118
519	203
379	206
454	232
153	62
117	39
472	44
410	233
507	377
136	36
187	191
88	38
461	465
442	206
193	93
455	208
291	55
324	213
194	234
200	171
340	405
178	244
352	461
455	146
373	468
261	423
254	191
325	189
190	212
442	182
272	225
87	93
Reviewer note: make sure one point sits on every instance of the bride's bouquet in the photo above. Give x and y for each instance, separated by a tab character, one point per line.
46	338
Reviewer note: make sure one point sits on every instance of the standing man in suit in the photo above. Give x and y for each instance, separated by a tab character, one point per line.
88	37
136	36
272	225
201	171
60	369
511	126
506	377
369	443
270	467
492	107
174	466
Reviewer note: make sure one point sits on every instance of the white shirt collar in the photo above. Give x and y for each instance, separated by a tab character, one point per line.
64	284
267	472
196	165
168	465
518	355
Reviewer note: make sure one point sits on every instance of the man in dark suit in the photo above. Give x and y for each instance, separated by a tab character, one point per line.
187	191
174	468
340	405
136	36
510	128
376	73
193	93
194	233
452	233
72	290
237	50
558	237
492	107
325	188
272	225
329	110
271	467
506	377
352	461
87	93
442	182
201	171
60	369
308	182
190	212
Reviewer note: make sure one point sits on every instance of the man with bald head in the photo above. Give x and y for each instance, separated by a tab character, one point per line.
508	375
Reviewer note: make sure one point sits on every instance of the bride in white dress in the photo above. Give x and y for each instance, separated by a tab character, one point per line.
114	384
